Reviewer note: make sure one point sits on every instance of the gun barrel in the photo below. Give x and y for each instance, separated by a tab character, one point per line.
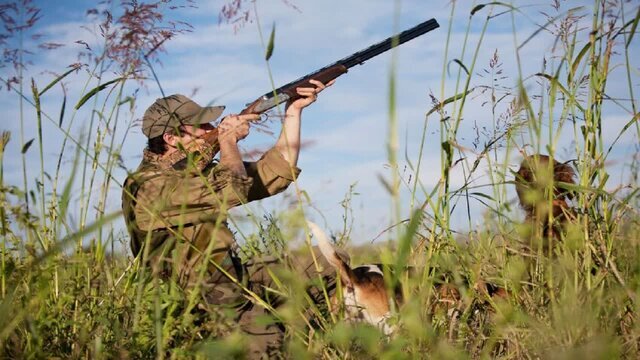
273	98
389	43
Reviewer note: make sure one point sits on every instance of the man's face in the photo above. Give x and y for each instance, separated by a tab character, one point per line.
189	133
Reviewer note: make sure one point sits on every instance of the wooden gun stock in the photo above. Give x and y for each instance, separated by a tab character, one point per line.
322	76
211	138
288	93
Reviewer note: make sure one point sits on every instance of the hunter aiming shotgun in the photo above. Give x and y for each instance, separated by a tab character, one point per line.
288	92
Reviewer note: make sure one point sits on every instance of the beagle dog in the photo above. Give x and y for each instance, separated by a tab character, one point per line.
365	296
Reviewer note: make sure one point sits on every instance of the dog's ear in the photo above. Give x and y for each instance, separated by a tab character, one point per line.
340	262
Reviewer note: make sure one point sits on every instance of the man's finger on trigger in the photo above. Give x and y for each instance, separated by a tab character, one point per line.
317	83
303	91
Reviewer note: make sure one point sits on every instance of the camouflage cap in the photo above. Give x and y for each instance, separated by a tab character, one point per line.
175	110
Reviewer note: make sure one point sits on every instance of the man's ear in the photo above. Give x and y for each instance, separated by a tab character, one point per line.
170	139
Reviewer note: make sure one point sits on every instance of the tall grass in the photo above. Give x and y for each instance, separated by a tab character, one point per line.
67	291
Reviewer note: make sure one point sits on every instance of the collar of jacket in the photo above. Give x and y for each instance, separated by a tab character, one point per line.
157	160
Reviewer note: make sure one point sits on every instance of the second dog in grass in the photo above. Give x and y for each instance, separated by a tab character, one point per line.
546	213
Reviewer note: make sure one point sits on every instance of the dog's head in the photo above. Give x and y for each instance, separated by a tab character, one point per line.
535	172
365	296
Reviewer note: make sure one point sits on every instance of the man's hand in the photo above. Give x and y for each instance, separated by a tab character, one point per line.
232	129
235	127
308	94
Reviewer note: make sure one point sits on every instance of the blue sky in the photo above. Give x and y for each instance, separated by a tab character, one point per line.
347	128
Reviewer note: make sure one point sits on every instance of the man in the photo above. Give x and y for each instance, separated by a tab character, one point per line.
176	207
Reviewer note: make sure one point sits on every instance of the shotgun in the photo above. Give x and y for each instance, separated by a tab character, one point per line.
288	92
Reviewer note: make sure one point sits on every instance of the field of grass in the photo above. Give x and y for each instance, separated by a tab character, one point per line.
65	292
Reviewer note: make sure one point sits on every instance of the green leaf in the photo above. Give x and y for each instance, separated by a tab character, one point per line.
624	129
525	103
481	6
96	90
477	8
270	46
385	183
577	60
404	246
632	196
460	64
306	196
27	145
554	81
633	28
449	100
126	100
448	149
64	105
481	195
66	193
56	80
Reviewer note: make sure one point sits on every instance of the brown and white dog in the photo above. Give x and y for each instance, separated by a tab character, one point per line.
365	297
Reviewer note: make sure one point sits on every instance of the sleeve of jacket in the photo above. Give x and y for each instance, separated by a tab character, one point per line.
271	175
170	200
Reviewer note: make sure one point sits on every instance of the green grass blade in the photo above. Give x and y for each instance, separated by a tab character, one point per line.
460	64
622	131
66	193
26	146
56	80
554	82
481	6
96	90
577	60
449	100
404	245
632	32
62	109
271	44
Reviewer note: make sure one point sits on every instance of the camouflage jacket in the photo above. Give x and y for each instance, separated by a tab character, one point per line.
165	208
